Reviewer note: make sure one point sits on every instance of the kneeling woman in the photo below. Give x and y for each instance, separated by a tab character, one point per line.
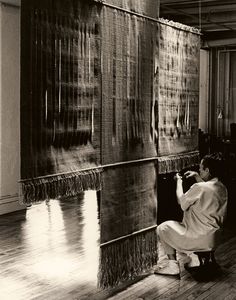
204	206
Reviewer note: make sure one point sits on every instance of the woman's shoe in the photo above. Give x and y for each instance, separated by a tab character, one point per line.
193	262
171	268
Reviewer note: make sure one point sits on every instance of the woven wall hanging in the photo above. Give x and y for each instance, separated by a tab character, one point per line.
177	95
98	93
60	99
128	196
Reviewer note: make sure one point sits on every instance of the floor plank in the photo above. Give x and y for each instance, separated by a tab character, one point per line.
53	253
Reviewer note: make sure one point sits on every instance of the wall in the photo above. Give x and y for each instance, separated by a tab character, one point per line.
204	90
9	108
221	93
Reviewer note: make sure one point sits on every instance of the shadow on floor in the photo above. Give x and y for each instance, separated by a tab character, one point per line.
206	273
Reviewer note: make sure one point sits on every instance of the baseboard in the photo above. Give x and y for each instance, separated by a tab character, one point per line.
10	203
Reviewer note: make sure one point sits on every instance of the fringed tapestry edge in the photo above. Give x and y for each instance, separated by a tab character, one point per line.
176	163
127	258
60	185
179	26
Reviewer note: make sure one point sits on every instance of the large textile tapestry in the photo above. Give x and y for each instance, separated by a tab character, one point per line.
128	223
60	99
127	86
178	91
128	198
148	8
104	89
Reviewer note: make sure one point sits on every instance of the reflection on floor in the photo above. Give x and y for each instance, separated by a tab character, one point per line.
55	248
53	254
210	283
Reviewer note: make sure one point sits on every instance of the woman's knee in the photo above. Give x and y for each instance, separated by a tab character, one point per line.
162	228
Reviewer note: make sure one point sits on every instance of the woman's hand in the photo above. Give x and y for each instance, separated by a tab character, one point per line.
189	174
178	177
193	174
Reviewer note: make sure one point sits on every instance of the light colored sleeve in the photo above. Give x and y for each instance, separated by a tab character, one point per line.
191	196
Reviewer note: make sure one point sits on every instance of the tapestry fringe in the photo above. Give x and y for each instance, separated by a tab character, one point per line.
176	163
62	185
127	258
179	26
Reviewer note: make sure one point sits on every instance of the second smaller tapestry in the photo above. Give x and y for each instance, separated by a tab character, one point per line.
178	88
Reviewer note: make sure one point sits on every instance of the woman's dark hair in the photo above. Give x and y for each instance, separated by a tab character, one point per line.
215	163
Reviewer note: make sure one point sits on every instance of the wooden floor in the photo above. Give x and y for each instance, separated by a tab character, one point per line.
53	252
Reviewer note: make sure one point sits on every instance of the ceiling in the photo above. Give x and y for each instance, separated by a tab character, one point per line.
11	2
215	18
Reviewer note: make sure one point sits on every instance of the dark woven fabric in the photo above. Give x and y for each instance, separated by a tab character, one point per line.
148	8
60	124
128	205
97	89
178	80
177	162
129	201
127	86
128	196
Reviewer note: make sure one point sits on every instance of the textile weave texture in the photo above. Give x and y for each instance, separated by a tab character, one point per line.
127	86
178	89
148	8
128	205
128	199
61	104
99	89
